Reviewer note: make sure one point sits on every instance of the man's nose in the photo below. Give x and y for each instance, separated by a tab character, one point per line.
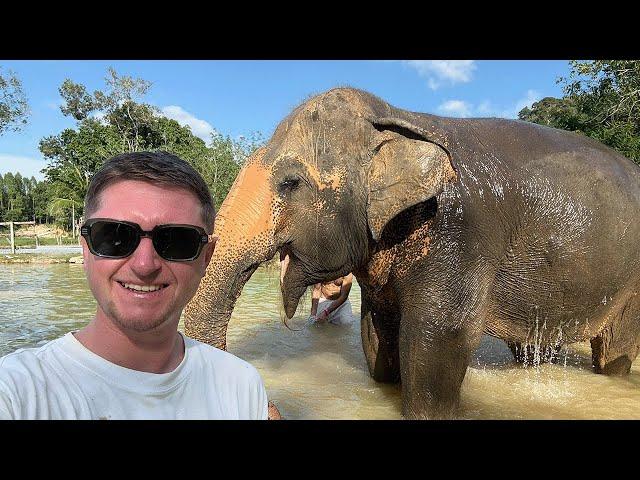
145	260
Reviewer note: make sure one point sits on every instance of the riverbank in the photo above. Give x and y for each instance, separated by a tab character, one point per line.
38	258
74	257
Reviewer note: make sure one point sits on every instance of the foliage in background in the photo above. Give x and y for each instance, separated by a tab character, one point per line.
74	156
109	122
601	100
14	109
21	198
223	160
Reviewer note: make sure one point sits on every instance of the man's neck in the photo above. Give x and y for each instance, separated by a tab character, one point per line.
157	351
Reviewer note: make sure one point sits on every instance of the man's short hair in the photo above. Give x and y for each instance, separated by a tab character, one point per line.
157	168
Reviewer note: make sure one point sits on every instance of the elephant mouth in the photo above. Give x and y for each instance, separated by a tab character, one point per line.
292	283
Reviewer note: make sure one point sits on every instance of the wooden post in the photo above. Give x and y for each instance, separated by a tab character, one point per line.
12	232
13	237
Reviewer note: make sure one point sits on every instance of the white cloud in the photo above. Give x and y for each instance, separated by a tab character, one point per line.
486	108
455	108
439	72
27	166
531	97
100	116
200	128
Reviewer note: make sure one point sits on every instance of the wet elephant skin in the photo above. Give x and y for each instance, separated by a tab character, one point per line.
453	228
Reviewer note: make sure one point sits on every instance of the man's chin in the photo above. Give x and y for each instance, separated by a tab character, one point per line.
140	324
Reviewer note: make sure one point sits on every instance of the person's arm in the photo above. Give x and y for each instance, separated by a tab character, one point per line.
344	294
315	298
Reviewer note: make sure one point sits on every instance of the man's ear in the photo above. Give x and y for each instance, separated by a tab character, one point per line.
85	253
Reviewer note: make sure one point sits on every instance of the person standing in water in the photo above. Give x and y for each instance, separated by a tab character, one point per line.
331	300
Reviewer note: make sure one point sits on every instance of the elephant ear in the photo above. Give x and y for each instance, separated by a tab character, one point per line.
406	169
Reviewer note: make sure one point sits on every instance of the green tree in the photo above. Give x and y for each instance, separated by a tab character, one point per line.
219	167
74	156
225	159
41	202
601	100
3	198
122	124
168	135
118	105
14	109
557	113
16	198
25	198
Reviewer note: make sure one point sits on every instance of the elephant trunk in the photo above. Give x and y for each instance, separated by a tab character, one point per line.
245	228
207	315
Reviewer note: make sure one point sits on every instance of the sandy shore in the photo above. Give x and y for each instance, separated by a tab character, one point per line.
39	258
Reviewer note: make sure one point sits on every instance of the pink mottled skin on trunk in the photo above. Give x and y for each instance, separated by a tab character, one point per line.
245	226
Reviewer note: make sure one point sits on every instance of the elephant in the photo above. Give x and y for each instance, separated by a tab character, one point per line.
453	227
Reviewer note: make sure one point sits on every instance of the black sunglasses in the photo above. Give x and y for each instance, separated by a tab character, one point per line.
118	239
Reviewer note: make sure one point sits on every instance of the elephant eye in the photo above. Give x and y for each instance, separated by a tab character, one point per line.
288	185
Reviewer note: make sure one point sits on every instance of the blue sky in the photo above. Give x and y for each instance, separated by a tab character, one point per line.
238	97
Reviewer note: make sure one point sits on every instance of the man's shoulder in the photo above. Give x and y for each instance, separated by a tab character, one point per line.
26	358
220	360
233	381
27	369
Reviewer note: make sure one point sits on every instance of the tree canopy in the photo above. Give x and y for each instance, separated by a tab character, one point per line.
14	109
110	122
601	100
21	198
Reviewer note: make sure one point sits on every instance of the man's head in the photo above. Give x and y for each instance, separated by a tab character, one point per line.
143	290
158	168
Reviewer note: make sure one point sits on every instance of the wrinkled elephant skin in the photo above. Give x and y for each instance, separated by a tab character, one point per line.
453	228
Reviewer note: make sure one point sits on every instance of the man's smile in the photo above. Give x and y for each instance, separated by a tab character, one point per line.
142	288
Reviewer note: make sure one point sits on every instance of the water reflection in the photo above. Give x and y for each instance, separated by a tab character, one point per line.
41	302
319	372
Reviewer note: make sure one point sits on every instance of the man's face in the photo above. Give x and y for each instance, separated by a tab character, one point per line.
148	206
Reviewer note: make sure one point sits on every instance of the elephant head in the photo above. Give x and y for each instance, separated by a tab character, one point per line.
320	193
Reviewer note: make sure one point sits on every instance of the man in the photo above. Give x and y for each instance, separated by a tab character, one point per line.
146	244
332	300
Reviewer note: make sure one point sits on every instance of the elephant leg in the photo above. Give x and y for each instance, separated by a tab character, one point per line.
433	362
618	344
519	351
379	332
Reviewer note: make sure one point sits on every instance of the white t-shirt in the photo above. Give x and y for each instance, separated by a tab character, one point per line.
65	380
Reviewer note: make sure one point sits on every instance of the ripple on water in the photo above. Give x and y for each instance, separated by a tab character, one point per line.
41	302
320	371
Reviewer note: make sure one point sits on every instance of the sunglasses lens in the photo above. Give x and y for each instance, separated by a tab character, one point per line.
113	239
177	243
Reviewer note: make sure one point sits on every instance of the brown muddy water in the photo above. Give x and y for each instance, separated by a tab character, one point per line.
319	371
